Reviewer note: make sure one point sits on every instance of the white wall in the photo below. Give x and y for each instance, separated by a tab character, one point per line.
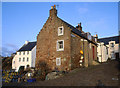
113	50
33	56
102	52
31	62
116	48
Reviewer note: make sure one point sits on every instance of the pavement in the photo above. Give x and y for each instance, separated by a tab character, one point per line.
104	74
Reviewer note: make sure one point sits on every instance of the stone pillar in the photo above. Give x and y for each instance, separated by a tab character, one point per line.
90	53
85	53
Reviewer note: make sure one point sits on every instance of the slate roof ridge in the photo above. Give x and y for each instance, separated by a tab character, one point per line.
67	23
76	31
28	47
110	37
107	39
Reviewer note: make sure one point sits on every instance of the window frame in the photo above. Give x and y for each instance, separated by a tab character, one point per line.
23	52
112	45
19	59
27	59
27	52
58	58
19	53
57	45
23	59
59	34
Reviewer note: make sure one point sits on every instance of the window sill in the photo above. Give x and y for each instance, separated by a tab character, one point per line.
60	34
60	50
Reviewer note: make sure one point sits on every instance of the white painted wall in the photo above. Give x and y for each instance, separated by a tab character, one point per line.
33	56
102	57
31	62
102	52
112	50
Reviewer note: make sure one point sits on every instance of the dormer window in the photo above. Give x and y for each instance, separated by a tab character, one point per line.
27	52
23	52
19	53
112	44
60	30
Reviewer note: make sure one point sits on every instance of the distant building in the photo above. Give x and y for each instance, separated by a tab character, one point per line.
112	43
25	56
13	54
62	46
102	52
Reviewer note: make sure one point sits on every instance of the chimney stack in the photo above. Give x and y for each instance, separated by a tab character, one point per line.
53	11
96	37
26	42
79	27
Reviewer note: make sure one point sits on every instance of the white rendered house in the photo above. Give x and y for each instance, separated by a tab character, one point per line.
25	56
113	46
102	52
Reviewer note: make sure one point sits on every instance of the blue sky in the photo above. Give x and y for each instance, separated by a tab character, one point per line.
22	21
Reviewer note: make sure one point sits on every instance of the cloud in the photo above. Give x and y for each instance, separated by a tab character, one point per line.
7	49
12	46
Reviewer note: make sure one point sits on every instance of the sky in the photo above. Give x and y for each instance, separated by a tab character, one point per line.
23	21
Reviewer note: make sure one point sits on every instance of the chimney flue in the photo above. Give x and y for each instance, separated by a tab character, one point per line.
79	27
53	11
51	7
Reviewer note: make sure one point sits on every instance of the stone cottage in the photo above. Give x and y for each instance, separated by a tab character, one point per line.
63	46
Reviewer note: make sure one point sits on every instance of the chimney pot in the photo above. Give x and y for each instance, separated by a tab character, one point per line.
55	6
79	24
51	7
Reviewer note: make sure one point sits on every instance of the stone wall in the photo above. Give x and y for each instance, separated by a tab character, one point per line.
75	51
46	44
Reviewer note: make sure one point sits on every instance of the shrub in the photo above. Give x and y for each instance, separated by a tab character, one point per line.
42	70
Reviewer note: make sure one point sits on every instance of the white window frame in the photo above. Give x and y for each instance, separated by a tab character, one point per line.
57	47
23	59
19	59
23	52
58	64
112	44
19	53
27	59
27	52
59	34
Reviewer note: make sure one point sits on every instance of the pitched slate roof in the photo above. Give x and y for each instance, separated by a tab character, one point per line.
107	39
27	47
76	31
